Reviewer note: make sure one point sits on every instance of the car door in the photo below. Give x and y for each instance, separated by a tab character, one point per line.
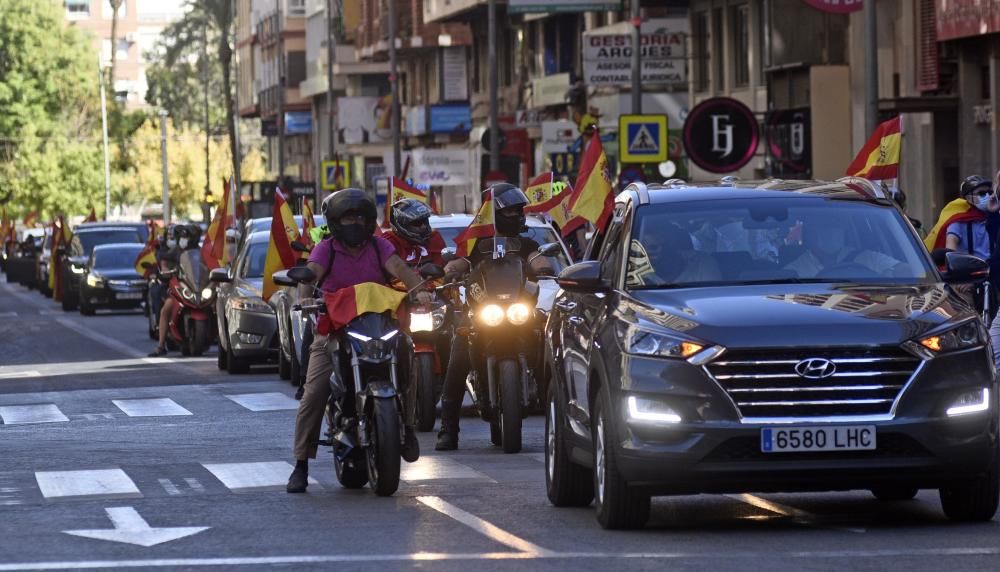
224	292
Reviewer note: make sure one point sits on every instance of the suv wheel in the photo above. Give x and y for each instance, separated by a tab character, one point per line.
976	499
618	507
566	483
893	494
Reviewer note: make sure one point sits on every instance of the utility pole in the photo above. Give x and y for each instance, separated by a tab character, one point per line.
636	58
163	159
494	88
238	160
281	97
330	55
871	67
104	128
208	139
394	83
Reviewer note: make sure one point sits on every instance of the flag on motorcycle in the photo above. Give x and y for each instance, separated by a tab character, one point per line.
280	255
549	196
92	217
148	255
879	158
482	226
30	219
593	196
213	247
958	210
308	225
346	304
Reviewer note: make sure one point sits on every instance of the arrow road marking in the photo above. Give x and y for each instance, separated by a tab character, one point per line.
131	528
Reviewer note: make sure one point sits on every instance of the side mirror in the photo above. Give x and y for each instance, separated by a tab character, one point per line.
219	275
299	247
965	268
300	274
583	277
431	271
281	278
550	249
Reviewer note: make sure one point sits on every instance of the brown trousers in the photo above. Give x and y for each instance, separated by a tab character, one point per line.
316	392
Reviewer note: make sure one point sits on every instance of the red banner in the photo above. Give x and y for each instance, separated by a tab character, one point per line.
965	18
836	6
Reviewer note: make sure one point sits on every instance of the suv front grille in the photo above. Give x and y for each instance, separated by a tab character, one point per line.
765	383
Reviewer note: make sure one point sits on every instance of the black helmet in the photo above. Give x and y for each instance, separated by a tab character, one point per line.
350	201
409	219
971	183
194	235
509	202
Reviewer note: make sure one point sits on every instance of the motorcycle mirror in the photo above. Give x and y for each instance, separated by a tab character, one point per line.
300	274
219	275
281	278
431	271
299	247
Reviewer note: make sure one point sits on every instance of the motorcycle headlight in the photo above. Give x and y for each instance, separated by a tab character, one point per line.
77	269
637	341
94	281
187	294
421	322
963	336
251	305
206	293
518	314
491	315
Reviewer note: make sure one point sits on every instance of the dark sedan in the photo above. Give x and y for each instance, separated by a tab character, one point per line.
110	280
85	237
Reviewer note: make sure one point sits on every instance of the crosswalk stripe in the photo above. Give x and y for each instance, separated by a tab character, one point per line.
273	401
246	477
104	483
18	374
157	407
24	414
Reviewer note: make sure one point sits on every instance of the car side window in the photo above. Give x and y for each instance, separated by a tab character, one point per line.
610	253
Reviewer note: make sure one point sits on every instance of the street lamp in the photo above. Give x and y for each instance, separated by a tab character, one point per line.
163	158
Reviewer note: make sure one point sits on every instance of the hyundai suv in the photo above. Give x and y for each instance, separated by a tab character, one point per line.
767	336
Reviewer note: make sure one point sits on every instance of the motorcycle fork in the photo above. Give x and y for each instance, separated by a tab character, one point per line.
526	389
491	381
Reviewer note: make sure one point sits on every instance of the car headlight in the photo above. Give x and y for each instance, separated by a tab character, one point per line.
974	401
518	314
491	315
94	281
251	305
967	335
77	269
206	293
642	410
637	341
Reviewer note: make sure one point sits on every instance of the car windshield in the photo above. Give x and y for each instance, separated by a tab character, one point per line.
123	257
253	264
772	241
92	238
539	234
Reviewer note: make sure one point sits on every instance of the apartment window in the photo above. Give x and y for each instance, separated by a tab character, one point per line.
719	71
120	54
107	11
296	7
699	30
78	8
740	25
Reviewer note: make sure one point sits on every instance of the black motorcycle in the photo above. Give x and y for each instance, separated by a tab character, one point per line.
364	420
504	339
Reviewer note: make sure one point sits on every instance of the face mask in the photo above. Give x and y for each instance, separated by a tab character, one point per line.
354	234
510	225
183	243
982	203
171	243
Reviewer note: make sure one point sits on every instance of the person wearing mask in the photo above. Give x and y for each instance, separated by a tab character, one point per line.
351	255
971	235
508	203
183	240
415	241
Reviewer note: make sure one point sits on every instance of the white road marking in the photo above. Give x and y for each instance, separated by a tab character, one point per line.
104	483
195	485
18	374
483	527
131	528
795	514
8	314
247	477
157	407
265	401
435	468
169	486
23	414
93	416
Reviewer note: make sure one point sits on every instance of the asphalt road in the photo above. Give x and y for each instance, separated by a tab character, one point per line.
190	465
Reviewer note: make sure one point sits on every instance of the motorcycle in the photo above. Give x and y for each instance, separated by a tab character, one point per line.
365	420
192	321
504	340
430	329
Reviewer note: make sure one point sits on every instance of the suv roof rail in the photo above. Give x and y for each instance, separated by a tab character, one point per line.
673	182
728	180
871	186
641	190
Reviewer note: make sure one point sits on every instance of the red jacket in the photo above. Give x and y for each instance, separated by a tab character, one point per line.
416	254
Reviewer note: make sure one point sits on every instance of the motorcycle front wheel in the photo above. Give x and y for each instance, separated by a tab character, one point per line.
384	448
426	398
200	340
351	472
510	405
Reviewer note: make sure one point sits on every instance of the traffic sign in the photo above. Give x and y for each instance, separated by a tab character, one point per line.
642	138
335	175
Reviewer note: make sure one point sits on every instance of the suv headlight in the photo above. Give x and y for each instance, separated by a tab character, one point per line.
966	335
640	342
251	305
973	401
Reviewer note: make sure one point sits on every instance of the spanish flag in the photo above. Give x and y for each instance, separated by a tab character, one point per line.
399	190
593	197
346	304
280	255
308	224
482	226
958	210
148	255
92	217
213	248
549	196
879	158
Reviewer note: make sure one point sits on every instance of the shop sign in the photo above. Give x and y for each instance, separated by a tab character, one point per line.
558	136
441	167
527	118
449	118
607	53
549	90
789	143
364	119
298	122
965	18
721	135
557	6
982	114
836	6
454	74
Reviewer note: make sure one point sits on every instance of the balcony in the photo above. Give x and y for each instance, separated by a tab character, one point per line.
437	10
429	36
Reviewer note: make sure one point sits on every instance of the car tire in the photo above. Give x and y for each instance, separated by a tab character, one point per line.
618	506
566	483
237	366
284	367
976	499
222	360
895	494
86	308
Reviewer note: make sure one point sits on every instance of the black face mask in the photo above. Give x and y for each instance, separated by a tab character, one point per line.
510	225
353	235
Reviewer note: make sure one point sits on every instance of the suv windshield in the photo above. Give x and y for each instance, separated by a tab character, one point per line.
124	257
772	241
90	239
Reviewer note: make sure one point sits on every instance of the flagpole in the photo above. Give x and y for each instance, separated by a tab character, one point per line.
104	128
871	66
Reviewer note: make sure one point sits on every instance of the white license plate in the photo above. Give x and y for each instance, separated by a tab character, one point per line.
802	439
129	296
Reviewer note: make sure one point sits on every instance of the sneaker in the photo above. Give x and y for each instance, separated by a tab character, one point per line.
447	441
158	352
411	446
298	481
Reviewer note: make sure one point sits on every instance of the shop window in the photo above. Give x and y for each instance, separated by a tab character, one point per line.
77	8
739	24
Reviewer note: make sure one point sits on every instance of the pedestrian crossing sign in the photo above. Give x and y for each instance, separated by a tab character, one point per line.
336	175
642	138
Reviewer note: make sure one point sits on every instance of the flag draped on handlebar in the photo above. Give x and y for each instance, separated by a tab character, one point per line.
346	304
280	254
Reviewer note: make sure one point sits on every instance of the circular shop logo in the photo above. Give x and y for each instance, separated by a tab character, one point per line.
721	135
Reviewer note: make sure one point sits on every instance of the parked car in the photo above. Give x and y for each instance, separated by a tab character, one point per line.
246	322
771	336
110	280
42	263
85	237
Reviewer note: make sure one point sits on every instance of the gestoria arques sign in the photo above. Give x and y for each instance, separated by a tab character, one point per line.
607	53
836	6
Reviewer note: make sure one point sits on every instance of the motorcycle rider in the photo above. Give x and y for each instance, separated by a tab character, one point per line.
184	239
351	255
508	204
415	241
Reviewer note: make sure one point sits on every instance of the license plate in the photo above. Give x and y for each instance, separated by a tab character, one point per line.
129	296
804	439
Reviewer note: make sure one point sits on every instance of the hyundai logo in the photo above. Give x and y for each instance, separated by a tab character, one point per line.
815	368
